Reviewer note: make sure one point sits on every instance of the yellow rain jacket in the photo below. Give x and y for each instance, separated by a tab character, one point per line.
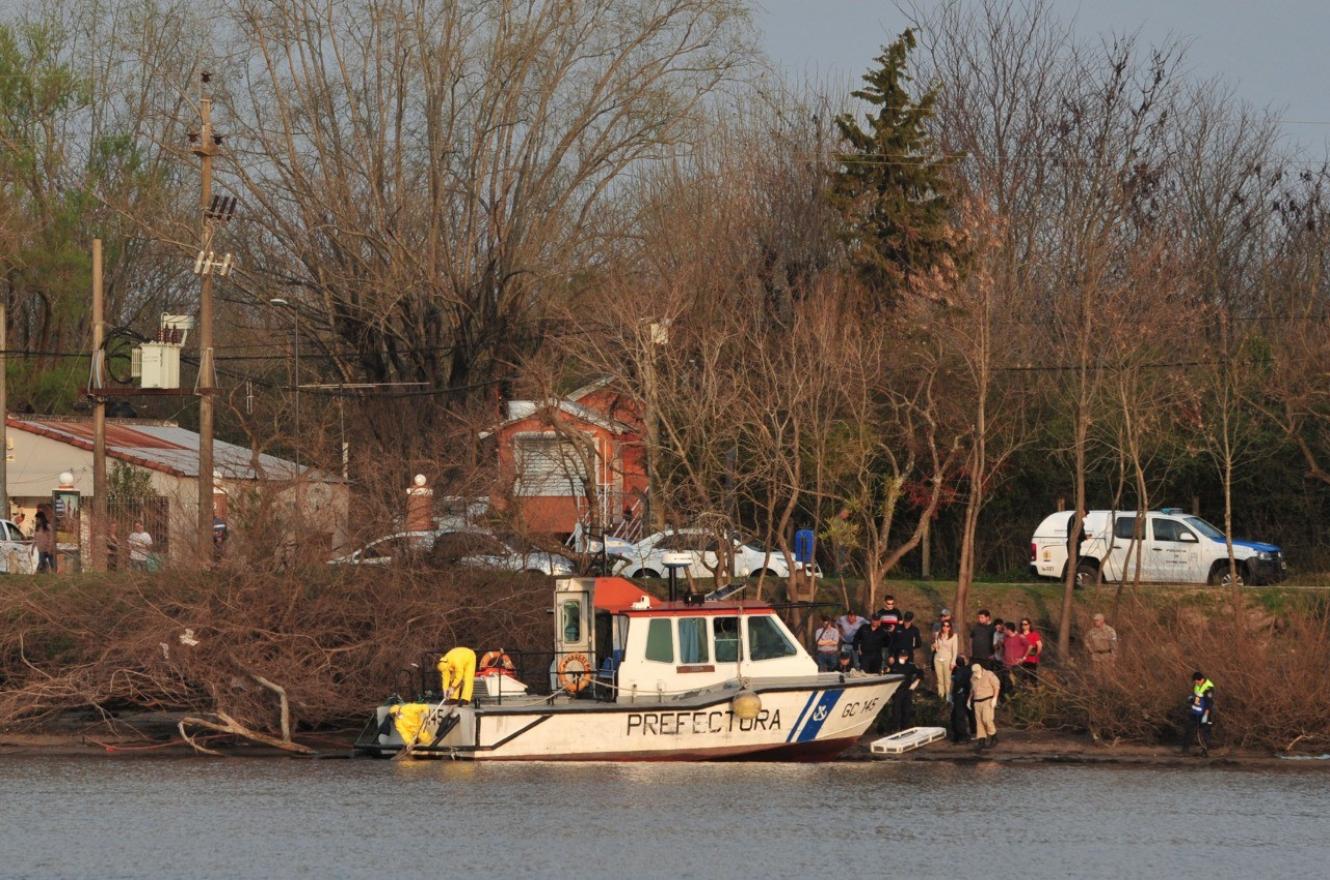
409	718
457	669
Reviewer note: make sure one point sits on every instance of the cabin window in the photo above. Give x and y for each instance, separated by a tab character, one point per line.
727	639
660	641
693	640
572	621
1124	528
767	641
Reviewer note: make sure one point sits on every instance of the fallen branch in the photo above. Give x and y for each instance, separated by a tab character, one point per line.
234	727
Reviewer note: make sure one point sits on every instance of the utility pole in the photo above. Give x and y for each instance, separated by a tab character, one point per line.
97	534
4	413
205	146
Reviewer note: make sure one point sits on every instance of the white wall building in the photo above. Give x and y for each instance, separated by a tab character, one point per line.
40	448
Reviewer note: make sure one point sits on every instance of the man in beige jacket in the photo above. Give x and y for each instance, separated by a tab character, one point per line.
984	688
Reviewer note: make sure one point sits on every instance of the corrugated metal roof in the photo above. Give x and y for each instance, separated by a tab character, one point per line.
167	447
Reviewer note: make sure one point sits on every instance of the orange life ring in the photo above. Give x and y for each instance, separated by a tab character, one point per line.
496	662
575	681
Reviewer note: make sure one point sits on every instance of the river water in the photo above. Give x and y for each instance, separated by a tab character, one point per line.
228	818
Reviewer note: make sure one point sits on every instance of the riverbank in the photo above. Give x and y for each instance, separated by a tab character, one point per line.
1014	747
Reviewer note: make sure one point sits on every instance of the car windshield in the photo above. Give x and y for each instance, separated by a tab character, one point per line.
1204	528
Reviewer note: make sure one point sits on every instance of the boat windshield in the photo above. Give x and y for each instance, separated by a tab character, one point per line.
766	641
1205	528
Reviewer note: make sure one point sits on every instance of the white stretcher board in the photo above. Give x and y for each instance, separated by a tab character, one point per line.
907	740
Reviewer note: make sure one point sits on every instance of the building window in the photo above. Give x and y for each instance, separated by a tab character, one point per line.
660	641
548	465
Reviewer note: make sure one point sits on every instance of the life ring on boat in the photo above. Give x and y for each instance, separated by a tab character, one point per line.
496	663
577	679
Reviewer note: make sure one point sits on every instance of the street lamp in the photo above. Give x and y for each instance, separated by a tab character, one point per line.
295	372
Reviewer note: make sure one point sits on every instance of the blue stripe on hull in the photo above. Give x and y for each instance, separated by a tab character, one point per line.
821	712
802	713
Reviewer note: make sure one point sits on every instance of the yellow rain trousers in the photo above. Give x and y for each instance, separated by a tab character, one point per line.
409	718
457	670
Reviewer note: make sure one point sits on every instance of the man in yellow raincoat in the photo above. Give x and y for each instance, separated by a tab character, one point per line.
457	671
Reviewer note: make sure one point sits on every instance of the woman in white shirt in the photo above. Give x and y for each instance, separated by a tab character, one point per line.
944	658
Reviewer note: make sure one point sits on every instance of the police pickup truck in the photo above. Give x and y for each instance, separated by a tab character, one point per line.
1169	546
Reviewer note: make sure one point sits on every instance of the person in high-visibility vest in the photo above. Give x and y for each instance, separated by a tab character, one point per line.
457	672
1200	713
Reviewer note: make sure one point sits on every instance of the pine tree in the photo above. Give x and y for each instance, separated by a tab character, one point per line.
891	187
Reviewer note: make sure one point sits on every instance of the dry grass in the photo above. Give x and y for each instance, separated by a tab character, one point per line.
1270	674
334	639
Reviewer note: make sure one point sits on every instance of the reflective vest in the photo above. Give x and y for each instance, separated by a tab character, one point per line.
1199	694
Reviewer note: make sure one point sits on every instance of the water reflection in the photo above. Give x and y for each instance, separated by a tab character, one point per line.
327	819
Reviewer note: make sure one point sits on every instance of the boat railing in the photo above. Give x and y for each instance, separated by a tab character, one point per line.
544	673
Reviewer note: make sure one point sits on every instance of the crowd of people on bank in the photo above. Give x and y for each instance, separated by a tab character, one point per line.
971	672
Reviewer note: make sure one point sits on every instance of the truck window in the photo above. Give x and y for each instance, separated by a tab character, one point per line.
727	639
1168	530
1124	528
693	647
766	641
660	641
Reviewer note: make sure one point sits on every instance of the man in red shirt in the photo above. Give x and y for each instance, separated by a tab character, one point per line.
1014	649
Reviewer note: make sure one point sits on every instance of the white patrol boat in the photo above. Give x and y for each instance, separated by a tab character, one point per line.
632	678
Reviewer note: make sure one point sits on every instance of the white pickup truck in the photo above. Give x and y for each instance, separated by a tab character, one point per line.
1171	546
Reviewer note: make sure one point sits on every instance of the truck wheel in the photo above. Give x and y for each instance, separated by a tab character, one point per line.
1086	574
1220	576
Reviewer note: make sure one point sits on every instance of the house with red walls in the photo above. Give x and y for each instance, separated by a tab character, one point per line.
576	459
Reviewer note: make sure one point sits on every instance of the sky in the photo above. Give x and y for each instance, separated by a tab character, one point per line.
1273	52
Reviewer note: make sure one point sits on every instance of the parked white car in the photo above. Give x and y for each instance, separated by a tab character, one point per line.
491	551
1172	547
15	550
389	548
474	549
647	557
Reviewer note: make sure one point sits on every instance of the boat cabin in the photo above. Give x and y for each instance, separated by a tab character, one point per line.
645	648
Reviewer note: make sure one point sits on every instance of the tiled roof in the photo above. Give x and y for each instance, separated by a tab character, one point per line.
165	447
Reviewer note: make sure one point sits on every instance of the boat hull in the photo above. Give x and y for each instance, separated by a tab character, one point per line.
815	721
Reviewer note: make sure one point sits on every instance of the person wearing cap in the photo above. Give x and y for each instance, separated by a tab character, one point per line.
869	643
828	640
984	689
902	701
1101	643
937	624
1200	712
845	660
906	637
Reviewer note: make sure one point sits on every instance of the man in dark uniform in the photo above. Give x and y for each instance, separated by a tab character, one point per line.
906	637
902	701
870	642
1200	713
981	639
960	701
